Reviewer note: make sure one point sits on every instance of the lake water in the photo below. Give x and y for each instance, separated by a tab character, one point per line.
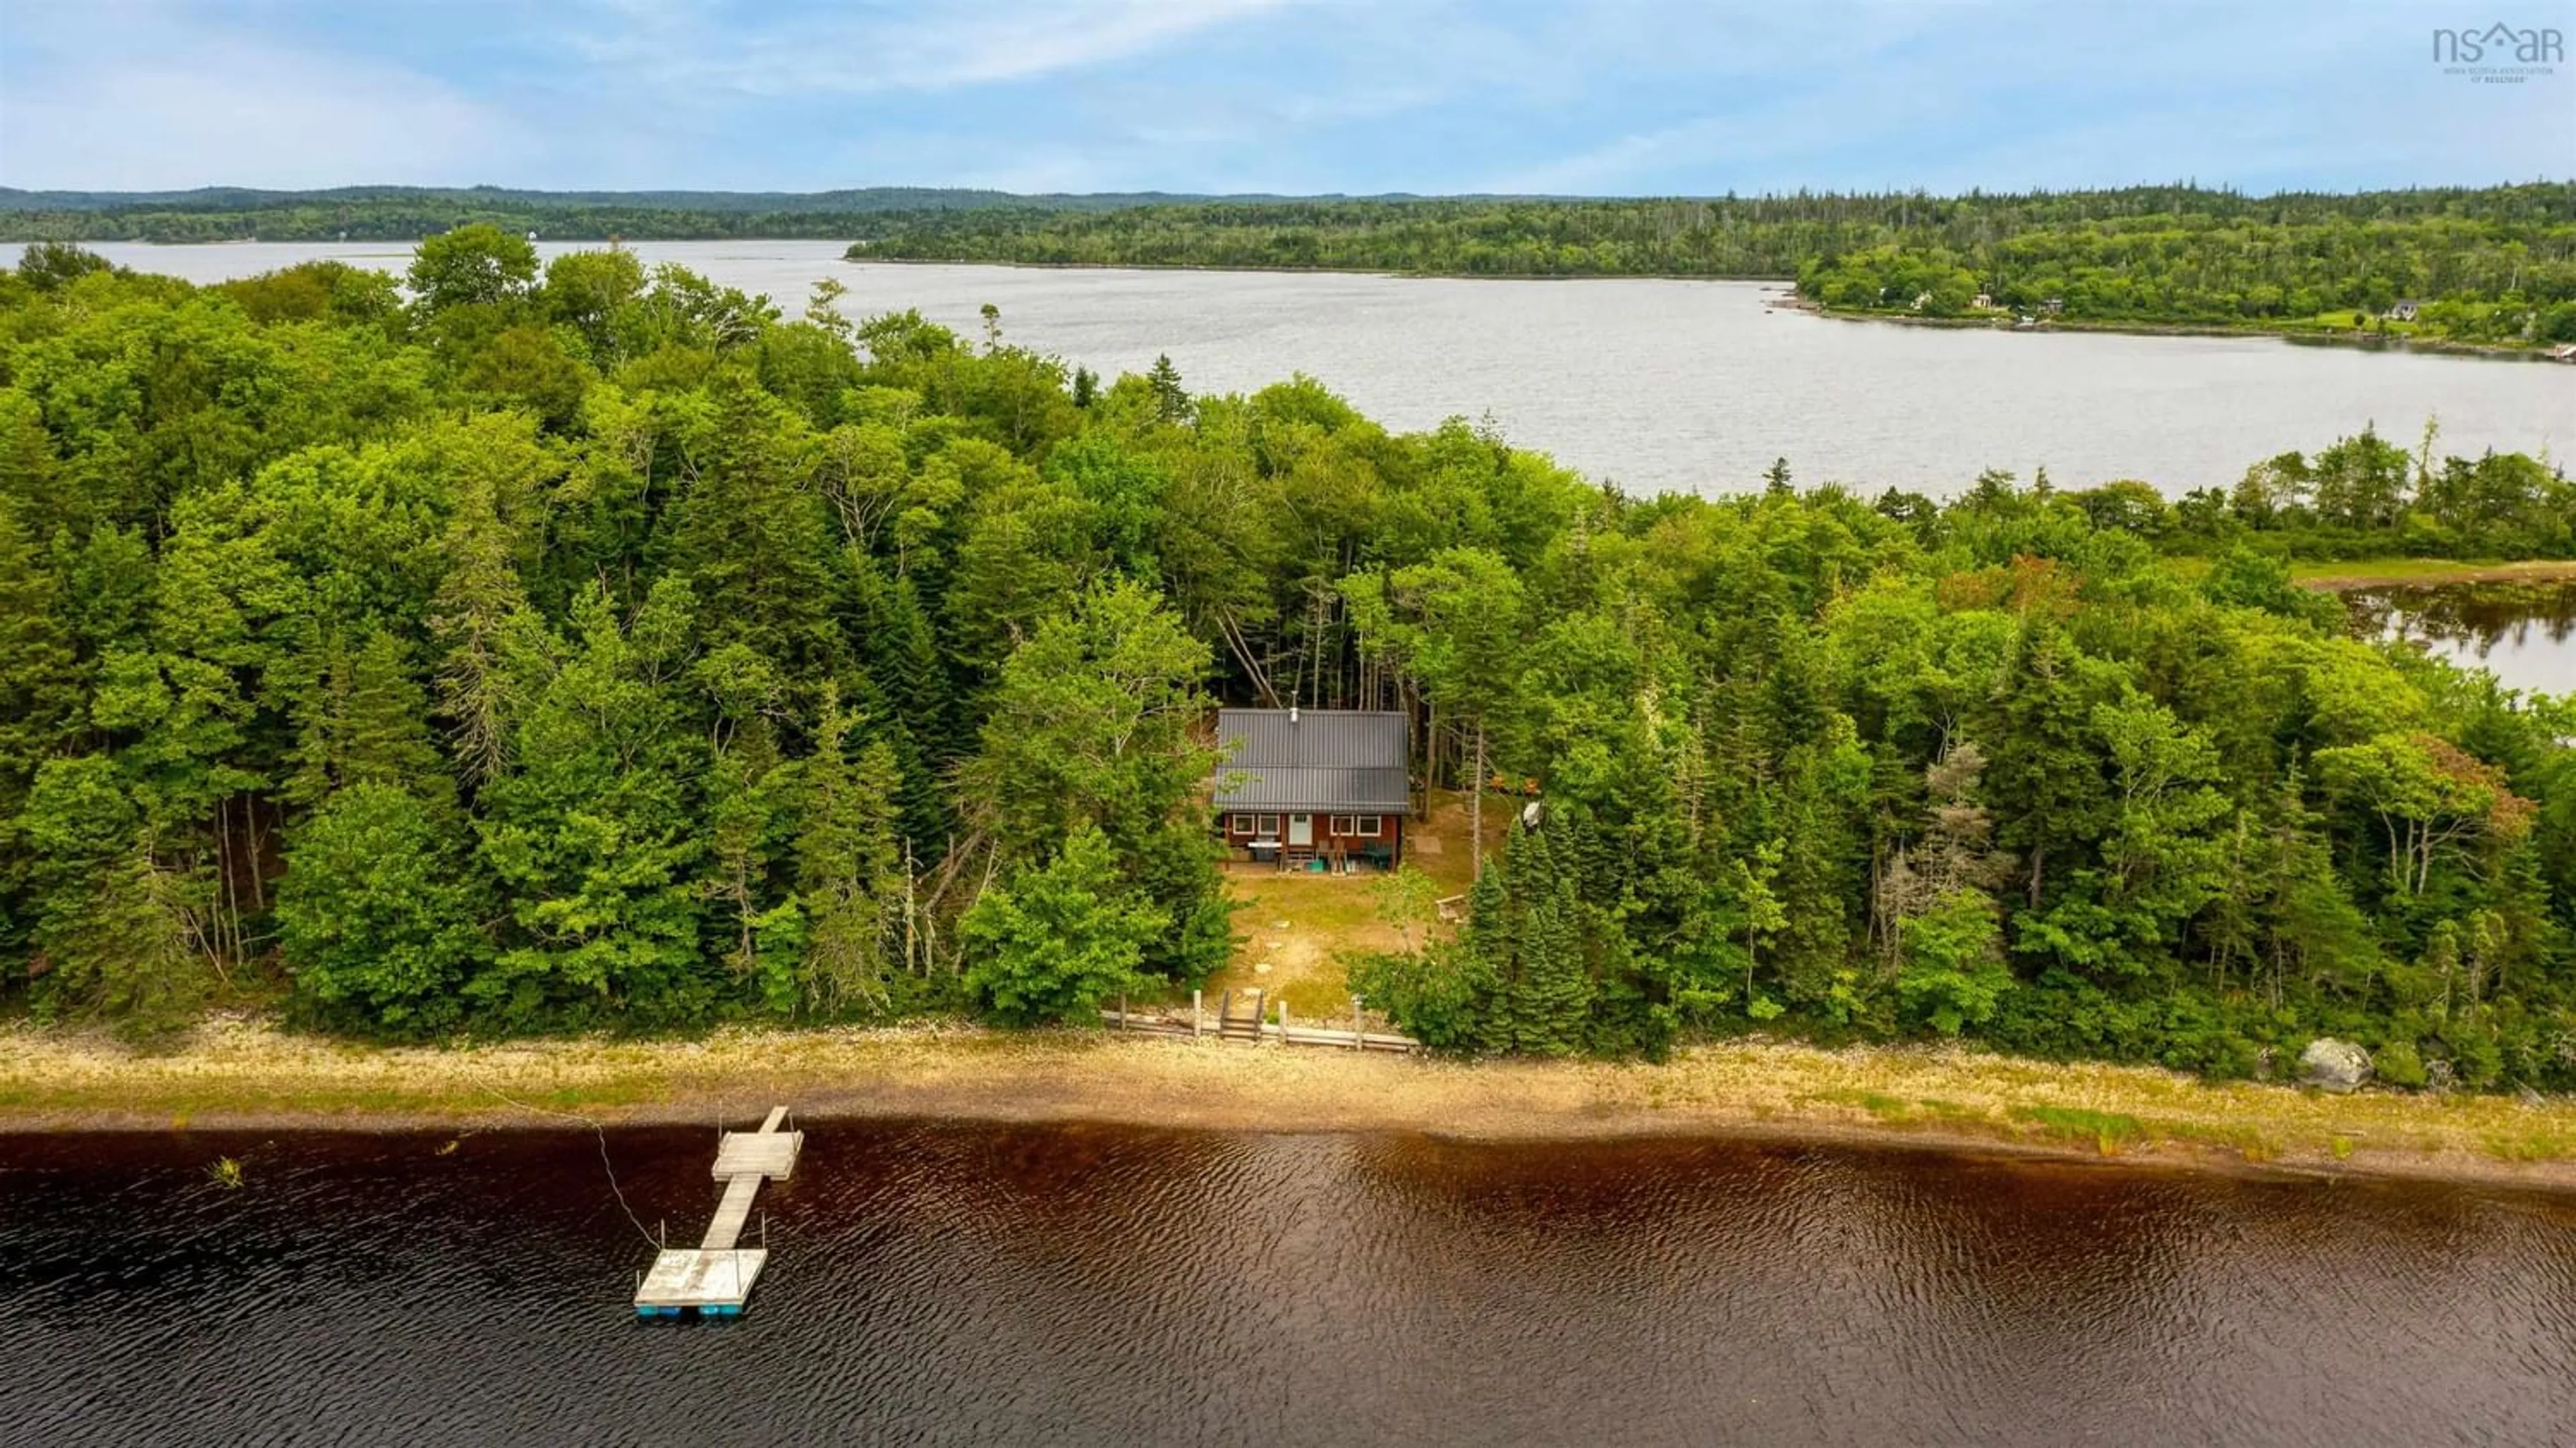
1663	385
2524	632
983	1284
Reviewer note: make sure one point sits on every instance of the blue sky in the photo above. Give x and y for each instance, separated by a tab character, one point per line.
1612	97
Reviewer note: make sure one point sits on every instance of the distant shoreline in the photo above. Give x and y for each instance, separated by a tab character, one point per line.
1991	322
235	1074
1393	273
1787	301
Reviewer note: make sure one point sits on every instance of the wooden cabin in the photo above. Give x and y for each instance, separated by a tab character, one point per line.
1314	788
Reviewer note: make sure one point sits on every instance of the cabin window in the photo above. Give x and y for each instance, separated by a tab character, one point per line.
1341	824
1369	827
1240	824
1267	827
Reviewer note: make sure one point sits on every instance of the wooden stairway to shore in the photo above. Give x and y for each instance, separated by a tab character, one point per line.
1241	1020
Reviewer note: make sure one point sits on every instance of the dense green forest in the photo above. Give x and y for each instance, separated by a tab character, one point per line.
2499	264
2494	265
407	213
593	646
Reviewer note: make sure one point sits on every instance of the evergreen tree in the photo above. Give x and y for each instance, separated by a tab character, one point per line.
1526	938
479	595
366	721
751	534
1171	401
2045	780
115	929
43	688
850	875
746	826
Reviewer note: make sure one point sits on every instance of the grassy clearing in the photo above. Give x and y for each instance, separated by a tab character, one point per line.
241	1073
2338	574
1297	934
2350	573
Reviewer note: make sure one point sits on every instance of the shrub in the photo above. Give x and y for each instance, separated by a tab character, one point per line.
2399	1064
1051	943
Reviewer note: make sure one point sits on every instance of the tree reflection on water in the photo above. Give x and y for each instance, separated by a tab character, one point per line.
2525	632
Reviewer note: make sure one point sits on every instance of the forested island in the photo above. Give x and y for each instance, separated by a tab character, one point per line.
2493	265
592	647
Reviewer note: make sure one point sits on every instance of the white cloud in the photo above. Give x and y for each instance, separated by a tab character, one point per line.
1606	96
675	43
149	103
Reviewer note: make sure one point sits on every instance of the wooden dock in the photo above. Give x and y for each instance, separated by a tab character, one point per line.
715	1278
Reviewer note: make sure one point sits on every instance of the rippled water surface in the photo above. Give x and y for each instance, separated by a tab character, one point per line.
962	1284
1663	385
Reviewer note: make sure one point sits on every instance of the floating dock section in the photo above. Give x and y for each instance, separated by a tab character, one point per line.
715	1278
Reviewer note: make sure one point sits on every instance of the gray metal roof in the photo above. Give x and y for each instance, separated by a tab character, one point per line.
1328	760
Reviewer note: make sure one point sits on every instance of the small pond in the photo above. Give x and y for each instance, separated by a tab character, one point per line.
2524	632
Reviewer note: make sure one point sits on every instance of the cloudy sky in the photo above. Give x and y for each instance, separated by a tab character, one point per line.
1610	97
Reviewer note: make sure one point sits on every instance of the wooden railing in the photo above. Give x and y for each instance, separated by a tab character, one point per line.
1255	1028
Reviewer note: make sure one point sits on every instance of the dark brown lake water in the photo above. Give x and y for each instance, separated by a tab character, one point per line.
939	1283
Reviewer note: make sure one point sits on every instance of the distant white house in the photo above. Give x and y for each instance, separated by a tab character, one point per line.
2403	311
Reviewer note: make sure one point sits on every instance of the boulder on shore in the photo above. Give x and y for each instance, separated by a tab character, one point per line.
2336	1066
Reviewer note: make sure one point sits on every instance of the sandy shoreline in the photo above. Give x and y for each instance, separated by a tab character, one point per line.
241	1075
1999	322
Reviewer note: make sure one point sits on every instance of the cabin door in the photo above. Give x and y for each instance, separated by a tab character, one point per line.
1301	830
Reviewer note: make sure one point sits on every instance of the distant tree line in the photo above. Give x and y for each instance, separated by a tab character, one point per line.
2497	263
408	213
595	646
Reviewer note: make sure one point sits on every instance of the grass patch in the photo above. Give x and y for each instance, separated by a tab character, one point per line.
2394	569
2532	1146
1892	1110
1876	1103
2107	1130
2242	1137
2359	573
